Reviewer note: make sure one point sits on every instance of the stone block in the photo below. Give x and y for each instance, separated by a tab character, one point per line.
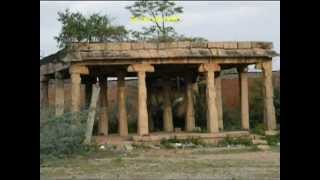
96	46
199	45
244	45
113	46
262	45
125	46
137	46
230	45
215	45
184	44
150	45
214	52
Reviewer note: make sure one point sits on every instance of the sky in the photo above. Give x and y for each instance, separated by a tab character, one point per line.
213	20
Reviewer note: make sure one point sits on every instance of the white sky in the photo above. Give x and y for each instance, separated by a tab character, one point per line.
214	20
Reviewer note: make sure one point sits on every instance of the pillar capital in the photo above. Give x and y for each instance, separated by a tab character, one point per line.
209	67
77	69
140	68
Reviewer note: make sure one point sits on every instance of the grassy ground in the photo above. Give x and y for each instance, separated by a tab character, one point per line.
214	163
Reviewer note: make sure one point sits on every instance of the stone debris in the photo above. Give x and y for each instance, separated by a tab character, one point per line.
128	147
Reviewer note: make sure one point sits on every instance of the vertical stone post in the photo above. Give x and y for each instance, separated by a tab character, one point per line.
103	123
88	92
243	82
143	128
212	110
218	82
122	109
75	73
59	94
167	107
189	117
44	95
270	116
149	104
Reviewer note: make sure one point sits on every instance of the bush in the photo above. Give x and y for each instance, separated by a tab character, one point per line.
273	140
63	136
235	141
231	119
258	129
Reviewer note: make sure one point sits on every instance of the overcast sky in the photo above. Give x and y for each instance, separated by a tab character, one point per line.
216	21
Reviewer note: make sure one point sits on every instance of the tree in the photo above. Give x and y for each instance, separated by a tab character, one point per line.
95	28
157	12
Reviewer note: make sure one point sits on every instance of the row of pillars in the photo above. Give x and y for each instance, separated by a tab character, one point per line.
213	96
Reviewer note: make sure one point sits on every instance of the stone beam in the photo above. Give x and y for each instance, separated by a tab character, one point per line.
141	67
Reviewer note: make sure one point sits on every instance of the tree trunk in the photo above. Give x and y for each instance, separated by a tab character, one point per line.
92	113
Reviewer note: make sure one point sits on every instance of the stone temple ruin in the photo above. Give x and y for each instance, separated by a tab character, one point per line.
152	63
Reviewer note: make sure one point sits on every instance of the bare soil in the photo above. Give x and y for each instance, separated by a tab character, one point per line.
140	163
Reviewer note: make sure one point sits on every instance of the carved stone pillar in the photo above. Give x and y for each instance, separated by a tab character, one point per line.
141	70
212	110
167	108
270	116
75	73
104	120
218	81
189	117
122	111
44	95
59	94
243	82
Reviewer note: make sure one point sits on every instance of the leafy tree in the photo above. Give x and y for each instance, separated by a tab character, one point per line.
95	28
160	30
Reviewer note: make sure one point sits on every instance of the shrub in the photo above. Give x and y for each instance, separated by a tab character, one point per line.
235	141
63	136
273	140
231	119
258	129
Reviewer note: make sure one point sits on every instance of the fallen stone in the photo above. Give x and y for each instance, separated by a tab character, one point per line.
263	147
176	145
151	146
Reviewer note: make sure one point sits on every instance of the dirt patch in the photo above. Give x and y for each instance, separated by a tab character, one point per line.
213	163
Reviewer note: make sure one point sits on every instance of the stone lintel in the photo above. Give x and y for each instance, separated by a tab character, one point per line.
209	67
141	67
76	69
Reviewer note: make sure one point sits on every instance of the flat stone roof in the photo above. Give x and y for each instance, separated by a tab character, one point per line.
146	50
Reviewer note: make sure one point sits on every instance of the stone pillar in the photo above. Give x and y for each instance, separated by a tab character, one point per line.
149	101
218	81
143	128
243	82
44	95
212	110
88	92
122	109
103	122
75	73
270	116
189	117
59	94
167	108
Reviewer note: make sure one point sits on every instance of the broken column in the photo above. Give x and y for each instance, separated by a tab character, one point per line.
122	111
270	116
59	94
141	70
103	122
212	110
218	81
189	117
243	82
167	107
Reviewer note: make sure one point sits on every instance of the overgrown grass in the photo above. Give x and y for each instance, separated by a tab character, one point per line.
63	136
273	140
